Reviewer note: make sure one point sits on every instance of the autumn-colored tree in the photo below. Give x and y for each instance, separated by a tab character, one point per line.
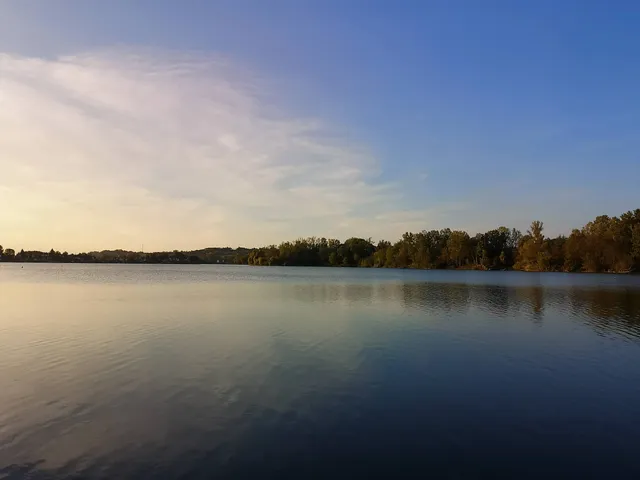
532	254
458	247
610	244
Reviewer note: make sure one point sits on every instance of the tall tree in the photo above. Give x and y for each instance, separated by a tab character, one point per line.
531	254
458	247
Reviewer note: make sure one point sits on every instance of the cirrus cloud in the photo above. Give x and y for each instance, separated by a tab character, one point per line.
120	147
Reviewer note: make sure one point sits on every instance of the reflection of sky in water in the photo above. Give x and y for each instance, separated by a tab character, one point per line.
117	378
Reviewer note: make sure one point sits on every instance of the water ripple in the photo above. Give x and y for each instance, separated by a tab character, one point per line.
189	372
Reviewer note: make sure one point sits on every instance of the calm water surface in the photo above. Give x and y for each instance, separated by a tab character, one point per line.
236	372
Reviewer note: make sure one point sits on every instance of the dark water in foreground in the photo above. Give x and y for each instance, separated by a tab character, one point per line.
236	372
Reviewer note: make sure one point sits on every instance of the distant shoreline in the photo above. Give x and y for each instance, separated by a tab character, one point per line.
604	245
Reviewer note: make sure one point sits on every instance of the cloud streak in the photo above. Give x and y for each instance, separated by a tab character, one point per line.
120	147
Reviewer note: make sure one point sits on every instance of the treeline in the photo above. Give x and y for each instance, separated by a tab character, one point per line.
207	255
607	244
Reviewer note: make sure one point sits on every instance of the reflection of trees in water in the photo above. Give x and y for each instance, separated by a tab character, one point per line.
433	297
604	308
423	296
344	293
608	310
531	301
493	299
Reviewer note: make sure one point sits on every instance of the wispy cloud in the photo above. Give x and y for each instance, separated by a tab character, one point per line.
120	147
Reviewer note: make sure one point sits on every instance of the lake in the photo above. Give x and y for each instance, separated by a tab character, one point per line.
148	371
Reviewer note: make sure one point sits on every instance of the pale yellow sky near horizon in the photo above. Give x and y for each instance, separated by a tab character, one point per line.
122	147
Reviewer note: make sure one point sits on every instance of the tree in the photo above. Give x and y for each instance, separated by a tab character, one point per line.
610	244
573	249
531	254
458	247
535	231
635	246
354	250
401	257
380	255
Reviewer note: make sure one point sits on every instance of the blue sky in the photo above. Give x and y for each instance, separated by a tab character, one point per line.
339	118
